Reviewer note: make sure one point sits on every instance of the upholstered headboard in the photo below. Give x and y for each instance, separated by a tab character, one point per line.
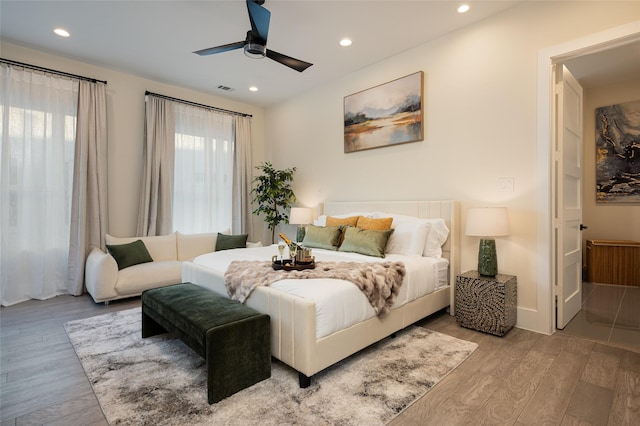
445	209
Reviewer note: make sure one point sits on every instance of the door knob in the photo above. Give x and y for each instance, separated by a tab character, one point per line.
583	227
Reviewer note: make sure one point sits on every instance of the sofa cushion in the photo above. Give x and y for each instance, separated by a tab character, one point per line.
129	254
161	247
192	245
226	242
135	279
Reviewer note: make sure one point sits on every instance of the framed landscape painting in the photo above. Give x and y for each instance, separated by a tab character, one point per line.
618	153
384	115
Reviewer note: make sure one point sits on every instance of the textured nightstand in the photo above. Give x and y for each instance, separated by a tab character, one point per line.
486	304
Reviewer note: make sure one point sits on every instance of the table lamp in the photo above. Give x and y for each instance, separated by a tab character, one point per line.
487	222
300	216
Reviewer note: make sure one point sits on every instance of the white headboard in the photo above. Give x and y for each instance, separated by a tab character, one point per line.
445	209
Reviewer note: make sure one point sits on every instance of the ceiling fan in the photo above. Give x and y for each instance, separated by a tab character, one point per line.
255	45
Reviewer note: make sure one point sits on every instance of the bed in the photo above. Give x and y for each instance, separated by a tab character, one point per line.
299	335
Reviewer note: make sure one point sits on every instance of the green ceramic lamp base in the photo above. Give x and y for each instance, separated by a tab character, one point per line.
300	234
487	258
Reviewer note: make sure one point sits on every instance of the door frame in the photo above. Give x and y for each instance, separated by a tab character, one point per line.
545	316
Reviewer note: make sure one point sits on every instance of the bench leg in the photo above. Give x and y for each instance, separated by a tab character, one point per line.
304	381
238	356
150	327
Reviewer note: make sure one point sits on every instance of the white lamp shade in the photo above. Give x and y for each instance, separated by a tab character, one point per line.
487	222
300	216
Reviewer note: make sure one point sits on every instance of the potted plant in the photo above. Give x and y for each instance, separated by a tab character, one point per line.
273	195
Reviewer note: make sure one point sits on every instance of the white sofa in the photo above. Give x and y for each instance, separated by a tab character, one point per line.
105	282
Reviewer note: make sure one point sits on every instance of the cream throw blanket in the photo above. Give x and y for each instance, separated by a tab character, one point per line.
380	282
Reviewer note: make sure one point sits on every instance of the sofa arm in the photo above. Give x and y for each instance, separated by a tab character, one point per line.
101	275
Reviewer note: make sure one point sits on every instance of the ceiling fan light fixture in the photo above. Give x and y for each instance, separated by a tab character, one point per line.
255	51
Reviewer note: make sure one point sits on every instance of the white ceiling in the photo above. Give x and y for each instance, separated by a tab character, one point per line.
613	65
155	39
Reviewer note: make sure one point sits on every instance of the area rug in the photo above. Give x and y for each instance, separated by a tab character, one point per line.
161	381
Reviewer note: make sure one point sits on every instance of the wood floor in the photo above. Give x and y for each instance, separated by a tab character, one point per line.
522	378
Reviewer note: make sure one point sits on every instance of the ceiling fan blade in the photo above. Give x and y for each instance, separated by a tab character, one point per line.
220	49
259	17
294	63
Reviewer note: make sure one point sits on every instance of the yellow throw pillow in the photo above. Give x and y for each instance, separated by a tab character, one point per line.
375	224
344	223
337	221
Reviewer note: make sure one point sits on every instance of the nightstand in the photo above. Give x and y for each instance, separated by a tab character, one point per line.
486	304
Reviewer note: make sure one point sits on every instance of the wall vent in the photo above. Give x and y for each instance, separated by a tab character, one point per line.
225	88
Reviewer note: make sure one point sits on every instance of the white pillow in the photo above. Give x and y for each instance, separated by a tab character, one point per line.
409	236
438	235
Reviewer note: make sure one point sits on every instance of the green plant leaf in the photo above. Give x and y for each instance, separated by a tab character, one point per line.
273	194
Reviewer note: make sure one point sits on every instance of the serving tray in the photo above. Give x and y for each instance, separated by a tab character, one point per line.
288	265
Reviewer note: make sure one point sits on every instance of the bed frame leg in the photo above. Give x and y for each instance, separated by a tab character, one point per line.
305	381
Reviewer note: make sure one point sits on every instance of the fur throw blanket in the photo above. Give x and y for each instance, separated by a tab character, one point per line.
379	281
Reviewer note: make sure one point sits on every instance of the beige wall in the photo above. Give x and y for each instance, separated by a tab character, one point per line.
606	221
125	121
480	125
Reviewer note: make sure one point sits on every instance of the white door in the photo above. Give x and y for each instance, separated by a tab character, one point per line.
567	198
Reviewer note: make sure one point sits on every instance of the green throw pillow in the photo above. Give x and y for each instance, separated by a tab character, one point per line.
129	254
366	241
226	242
322	237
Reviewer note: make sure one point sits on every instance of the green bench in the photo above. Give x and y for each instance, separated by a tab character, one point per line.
233	339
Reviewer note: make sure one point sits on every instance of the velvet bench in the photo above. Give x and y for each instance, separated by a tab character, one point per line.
233	339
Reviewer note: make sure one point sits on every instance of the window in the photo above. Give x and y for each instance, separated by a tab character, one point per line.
203	172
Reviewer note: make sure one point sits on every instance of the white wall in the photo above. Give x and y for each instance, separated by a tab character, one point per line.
480	119
125	131
606	221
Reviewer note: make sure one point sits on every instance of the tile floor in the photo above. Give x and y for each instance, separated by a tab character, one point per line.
610	313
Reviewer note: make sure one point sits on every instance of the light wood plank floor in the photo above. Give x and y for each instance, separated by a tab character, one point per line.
522	378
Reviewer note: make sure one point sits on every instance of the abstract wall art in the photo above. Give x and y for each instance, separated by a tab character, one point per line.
384	115
618	153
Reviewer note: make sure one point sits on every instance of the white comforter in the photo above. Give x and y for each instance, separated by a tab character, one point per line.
339	303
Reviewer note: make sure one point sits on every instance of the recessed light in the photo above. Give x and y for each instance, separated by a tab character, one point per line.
253	88
62	32
463	8
345	42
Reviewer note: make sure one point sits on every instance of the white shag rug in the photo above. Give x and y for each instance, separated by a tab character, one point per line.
161	381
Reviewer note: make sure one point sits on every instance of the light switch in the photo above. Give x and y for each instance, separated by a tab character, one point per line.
505	184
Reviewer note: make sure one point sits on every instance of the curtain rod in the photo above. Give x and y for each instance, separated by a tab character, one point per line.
198	105
49	70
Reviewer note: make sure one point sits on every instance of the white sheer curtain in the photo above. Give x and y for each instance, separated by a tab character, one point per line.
37	134
203	172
